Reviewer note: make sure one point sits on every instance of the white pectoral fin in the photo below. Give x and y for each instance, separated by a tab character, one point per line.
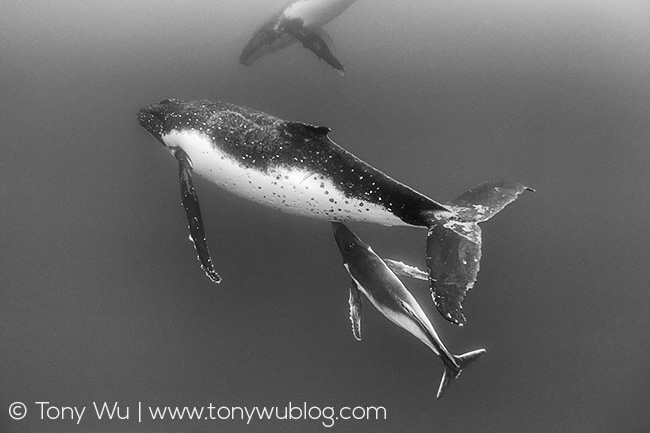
404	270
355	310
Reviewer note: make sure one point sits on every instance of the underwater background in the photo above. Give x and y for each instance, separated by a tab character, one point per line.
102	299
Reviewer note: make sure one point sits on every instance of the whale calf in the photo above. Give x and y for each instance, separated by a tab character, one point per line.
299	20
295	167
372	277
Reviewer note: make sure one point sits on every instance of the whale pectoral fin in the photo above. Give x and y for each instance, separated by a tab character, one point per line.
315	43
355	310
404	270
190	202
487	199
453	257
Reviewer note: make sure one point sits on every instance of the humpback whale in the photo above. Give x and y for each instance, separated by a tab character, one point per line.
372	277
295	167
299	20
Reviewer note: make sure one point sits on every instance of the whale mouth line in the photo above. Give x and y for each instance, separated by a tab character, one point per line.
152	119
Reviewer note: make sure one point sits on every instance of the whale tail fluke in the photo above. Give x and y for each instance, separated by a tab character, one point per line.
454	244
451	373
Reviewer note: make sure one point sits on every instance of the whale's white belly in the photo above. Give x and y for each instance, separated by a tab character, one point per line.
288	189
316	13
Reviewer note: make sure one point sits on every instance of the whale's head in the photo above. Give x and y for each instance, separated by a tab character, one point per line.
349	244
158	119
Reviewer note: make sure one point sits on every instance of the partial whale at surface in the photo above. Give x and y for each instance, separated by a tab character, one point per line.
372	277
294	167
299	20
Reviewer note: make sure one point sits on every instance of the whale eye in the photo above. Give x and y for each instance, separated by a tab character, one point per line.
348	247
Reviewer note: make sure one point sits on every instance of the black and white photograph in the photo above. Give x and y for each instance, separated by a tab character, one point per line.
325	215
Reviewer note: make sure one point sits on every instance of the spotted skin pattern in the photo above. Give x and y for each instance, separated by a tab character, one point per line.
287	165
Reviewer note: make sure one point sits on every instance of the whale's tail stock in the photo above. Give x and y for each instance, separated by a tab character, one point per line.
454	243
452	372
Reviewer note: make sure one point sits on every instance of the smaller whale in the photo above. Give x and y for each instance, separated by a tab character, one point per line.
299	20
372	277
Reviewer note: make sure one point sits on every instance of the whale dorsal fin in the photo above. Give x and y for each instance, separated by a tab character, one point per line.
311	129
318	130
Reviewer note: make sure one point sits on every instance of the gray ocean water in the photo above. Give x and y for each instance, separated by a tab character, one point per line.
101	296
